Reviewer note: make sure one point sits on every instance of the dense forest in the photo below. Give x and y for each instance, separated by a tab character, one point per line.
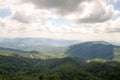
96	60
19	68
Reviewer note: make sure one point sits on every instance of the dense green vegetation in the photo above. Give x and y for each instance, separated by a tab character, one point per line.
86	50
19	68
117	54
85	61
49	53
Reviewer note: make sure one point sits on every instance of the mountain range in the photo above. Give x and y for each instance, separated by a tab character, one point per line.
37	47
45	59
93	49
25	42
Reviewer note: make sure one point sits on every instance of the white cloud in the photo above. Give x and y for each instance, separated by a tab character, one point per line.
83	10
115	1
98	12
30	18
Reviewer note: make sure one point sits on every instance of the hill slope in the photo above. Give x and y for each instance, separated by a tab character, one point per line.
94	49
12	68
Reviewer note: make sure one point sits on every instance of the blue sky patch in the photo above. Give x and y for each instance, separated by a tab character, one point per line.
117	5
59	21
4	13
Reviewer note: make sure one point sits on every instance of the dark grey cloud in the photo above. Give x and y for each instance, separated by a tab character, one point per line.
2	24
113	30
98	18
64	7
61	6
21	17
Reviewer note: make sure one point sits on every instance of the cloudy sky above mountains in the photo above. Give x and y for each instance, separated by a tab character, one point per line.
61	19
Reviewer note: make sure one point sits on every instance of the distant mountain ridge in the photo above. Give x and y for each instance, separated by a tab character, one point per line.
54	48
26	42
17	50
93	49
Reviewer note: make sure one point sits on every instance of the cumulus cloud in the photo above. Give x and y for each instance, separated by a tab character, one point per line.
89	11
115	1
19	16
62	6
98	11
113	30
31	18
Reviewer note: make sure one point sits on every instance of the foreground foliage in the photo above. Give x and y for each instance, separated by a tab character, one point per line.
19	68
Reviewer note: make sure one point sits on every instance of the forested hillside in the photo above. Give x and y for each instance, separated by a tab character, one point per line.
19	68
95	60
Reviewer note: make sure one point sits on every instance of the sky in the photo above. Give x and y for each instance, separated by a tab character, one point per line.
83	20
